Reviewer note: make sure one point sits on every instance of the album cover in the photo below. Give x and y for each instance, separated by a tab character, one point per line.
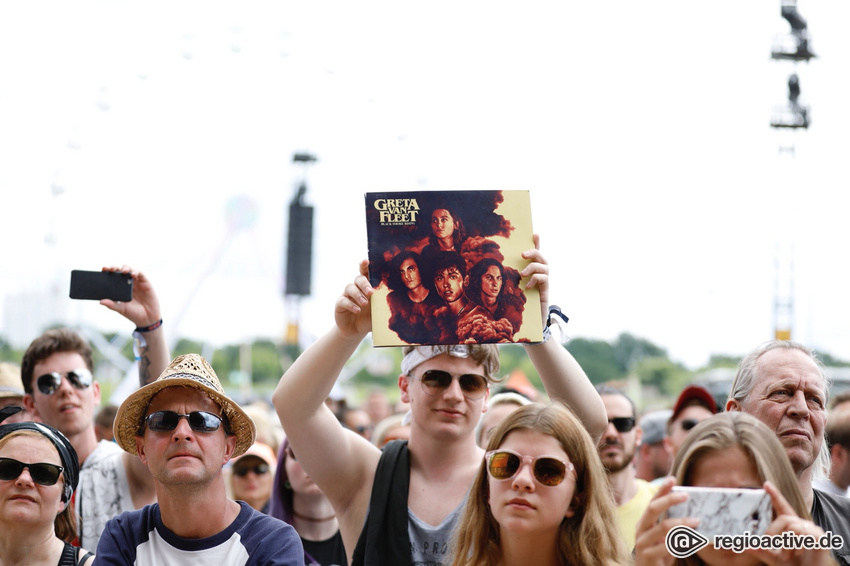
445	266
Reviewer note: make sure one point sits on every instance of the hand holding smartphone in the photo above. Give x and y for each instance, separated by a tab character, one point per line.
97	285
725	511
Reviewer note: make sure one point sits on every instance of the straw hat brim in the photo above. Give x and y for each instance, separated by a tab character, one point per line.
132	410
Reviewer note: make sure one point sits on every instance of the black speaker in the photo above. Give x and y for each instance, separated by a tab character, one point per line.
299	254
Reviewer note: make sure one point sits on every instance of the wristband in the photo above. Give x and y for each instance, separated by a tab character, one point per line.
150	327
555	317
139	341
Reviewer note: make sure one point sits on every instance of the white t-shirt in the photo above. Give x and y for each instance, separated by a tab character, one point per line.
102	493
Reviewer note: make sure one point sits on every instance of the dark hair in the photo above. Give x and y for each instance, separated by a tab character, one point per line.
477	272
106	416
837	428
459	233
608	390
280	504
394	279
49	343
447	260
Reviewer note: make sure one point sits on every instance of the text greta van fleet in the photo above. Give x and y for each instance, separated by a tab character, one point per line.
397	210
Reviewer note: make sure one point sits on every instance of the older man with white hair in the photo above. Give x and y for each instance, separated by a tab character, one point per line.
782	384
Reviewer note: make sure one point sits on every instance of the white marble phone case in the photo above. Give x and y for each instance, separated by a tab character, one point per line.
725	511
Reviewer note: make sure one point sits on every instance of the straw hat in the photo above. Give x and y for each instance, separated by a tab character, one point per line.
10	380
190	370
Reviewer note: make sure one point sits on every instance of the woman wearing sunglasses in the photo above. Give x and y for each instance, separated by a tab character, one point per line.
734	450
541	497
299	502
251	476
39	471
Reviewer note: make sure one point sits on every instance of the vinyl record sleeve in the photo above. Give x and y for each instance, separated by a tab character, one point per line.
445	267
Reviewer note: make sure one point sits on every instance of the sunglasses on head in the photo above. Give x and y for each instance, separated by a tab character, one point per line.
258	469
435	381
623	424
199	421
688	424
50	382
505	464
41	473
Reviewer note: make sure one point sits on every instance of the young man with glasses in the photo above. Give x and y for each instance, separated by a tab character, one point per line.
56	371
617	449
420	485
694	405
184	428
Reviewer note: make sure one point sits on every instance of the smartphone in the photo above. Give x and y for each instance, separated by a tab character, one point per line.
97	285
725	511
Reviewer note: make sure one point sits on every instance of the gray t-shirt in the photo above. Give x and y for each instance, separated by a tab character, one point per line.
429	546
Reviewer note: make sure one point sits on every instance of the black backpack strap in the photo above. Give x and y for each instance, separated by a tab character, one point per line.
69	553
84	557
384	540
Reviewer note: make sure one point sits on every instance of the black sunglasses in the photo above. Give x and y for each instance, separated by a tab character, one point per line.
435	381
623	424
688	424
50	382
41	473
549	471
258	469
199	421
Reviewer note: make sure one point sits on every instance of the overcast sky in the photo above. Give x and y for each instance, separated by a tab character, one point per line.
160	134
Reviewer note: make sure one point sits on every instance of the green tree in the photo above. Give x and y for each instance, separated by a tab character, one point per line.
10	354
265	362
667	376
630	350
723	361
187	346
831	361
512	357
597	358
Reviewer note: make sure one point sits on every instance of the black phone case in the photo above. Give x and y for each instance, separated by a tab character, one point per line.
97	285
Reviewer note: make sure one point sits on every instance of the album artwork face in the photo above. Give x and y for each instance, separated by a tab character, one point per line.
446	268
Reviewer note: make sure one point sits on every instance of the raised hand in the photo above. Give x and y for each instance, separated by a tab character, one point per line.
787	520
143	310
651	532
353	312
538	273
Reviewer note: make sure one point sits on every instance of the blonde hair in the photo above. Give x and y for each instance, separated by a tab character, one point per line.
591	536
735	429
65	524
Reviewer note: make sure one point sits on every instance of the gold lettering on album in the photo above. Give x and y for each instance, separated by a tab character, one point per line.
397	210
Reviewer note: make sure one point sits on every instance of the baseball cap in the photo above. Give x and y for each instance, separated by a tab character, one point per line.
654	425
693	395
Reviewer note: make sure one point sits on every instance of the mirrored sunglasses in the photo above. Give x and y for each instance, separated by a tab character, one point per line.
435	381
623	424
258	469
50	382
505	464
41	473
199	421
